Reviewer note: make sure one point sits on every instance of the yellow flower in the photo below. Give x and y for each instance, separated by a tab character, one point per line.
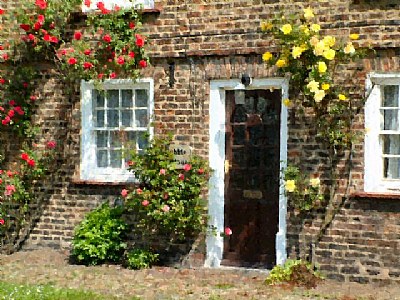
319	95
290	185
329	54
354	36
313	86
329	40
315	27
305	29
314	182
281	63
314	41
325	86
349	49
308	13
297	51
286	29
265	26
322	67
287	102
319	48
342	97
266	56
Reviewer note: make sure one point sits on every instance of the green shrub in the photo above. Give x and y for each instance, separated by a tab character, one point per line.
137	259
100	236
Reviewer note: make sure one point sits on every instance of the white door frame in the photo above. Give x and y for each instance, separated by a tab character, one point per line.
215	242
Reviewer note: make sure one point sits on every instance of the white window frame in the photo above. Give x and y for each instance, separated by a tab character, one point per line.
109	4
89	171
374	180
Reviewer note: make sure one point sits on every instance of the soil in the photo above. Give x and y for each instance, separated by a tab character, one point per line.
48	266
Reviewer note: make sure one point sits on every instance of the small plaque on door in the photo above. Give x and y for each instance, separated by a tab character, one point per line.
252	194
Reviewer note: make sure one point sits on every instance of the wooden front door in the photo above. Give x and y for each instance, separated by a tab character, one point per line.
252	177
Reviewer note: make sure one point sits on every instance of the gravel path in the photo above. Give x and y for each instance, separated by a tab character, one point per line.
47	266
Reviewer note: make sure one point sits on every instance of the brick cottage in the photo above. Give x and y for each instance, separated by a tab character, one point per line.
207	84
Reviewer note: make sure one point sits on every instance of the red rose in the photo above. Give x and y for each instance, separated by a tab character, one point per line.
47	37
31	37
31	162
12	103
131	25
87	52
120	60
33	98
41	4
19	110
2	81
107	38
11	113
40	19
72	61
77	35
1	11
37	26
6	120
5	56
143	63
24	156
87	3
1	221
87	65
113	75
131	54
139	40
51	144
54	39
25	27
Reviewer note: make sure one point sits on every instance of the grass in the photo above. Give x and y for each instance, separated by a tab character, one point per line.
11	291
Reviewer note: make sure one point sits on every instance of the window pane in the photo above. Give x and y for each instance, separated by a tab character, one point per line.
391	167
113	98
115	139
102	158
112	118
98	98
390	96
127	98
115	159
126	116
99	120
101	139
141	98
142	140
390	119
391	144
141	118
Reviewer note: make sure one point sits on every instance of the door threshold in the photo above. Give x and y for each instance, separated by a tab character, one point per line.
245	269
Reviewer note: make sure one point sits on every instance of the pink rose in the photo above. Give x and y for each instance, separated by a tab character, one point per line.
139	191
187	167
1	222
124	193
166	208
228	231
181	176
145	202
162	171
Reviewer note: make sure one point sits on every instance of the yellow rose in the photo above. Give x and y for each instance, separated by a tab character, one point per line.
329	54
308	13
266	56
314	182
314	41
297	51
329	40
342	97
305	29
280	63
287	102
313	86
349	49
325	86
286	29
354	36
322	67
290	185
319	95
319	48
265	26
315	27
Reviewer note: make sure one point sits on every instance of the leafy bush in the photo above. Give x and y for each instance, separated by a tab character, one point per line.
169	201
100	236
137	259
297	272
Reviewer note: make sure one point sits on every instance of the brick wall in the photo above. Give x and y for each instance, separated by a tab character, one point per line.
206	40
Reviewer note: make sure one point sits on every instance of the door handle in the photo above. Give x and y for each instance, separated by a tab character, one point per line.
226	166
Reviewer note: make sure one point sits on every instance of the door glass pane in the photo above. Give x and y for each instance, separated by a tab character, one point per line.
141	98
102	158
391	144
113	98
391	167
126	116
115	159
390	96
101	139
112	118
141	118
126	98
390	119
99	119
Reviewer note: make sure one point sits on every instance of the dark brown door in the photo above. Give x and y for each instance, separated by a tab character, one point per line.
252	177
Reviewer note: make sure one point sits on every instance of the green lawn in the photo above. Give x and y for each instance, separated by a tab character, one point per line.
11	291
